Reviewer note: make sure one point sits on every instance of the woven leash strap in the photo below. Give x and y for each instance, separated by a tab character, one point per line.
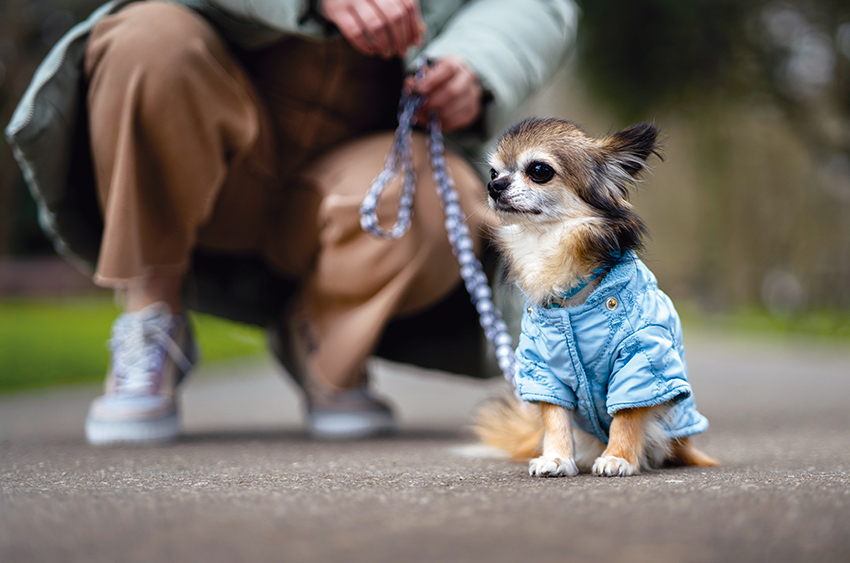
400	161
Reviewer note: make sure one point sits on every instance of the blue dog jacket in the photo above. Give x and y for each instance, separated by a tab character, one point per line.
620	349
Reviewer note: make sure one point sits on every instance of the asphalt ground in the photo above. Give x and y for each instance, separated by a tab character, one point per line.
245	483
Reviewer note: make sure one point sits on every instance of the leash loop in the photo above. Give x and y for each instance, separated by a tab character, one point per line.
400	161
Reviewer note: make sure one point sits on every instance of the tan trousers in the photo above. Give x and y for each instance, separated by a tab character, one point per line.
268	153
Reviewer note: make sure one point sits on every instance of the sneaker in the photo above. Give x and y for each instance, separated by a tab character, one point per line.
333	415
151	352
341	415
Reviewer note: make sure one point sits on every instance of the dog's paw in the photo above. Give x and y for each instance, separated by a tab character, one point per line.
612	466
552	467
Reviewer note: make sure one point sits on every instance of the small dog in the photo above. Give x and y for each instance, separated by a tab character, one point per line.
601	346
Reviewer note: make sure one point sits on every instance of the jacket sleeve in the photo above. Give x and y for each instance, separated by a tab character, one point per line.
648	370
514	47
545	365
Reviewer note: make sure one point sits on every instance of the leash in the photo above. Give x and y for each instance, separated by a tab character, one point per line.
400	161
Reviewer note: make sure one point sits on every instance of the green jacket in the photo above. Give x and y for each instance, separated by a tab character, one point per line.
513	46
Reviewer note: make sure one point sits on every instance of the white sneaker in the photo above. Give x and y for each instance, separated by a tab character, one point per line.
342	415
332	415
151	352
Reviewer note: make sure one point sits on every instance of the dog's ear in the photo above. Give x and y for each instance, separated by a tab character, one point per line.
629	149
621	157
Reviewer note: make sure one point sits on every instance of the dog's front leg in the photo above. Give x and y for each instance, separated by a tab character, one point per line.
625	448
557	459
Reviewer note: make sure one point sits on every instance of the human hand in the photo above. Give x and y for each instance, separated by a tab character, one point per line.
451	89
384	28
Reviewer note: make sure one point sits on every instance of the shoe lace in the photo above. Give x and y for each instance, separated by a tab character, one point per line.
139	348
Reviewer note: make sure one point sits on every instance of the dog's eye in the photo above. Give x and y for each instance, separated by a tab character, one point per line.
493	174
539	172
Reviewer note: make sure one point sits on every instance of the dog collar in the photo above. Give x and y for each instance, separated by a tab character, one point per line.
558	302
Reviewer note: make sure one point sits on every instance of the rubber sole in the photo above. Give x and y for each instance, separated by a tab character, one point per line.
350	425
109	432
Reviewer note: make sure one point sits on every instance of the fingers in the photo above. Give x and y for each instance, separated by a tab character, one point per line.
375	27
452	90
386	28
416	25
441	71
461	114
449	83
401	21
397	17
351	26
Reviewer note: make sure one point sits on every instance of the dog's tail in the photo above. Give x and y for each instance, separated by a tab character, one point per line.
511	425
683	452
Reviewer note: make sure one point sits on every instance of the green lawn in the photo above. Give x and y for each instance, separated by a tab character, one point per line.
822	326
52	342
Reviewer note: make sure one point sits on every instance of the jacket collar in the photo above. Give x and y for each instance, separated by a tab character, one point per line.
620	275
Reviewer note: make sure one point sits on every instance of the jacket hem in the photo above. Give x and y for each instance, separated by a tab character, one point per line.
540	398
679	393
695	428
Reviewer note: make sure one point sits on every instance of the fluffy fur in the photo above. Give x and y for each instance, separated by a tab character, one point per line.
562	198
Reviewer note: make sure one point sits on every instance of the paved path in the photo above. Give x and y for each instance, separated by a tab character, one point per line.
246	485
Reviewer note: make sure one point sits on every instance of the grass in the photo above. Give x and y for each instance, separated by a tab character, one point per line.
55	342
822	326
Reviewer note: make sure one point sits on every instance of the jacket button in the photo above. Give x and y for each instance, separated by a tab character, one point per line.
528	310
611	303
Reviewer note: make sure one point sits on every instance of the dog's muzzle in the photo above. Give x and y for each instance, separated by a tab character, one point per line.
497	186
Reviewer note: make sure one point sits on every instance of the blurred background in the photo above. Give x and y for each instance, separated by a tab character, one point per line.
749	214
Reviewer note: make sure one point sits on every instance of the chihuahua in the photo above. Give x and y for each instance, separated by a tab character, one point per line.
601	346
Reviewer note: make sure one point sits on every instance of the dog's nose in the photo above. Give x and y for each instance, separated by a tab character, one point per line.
496	187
